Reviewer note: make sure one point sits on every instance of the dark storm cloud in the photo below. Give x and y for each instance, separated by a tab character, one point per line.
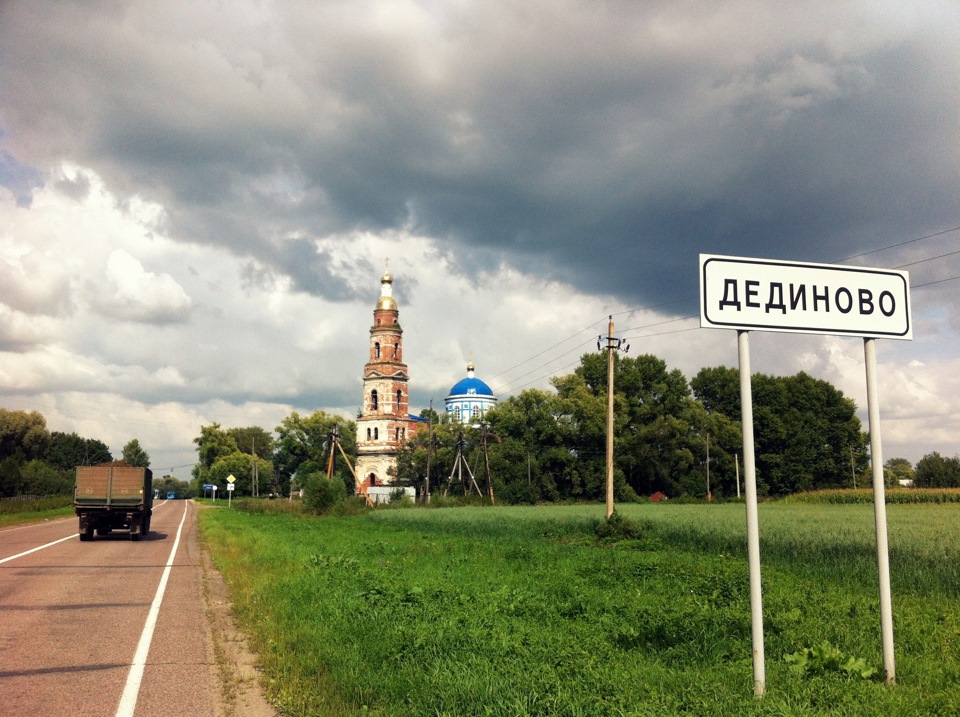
601	144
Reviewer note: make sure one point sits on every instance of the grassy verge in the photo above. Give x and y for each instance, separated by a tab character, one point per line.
33	510
525	611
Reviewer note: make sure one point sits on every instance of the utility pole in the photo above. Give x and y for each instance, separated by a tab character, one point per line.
335	445
613	344
426	484
736	458
254	488
458	465
486	462
853	469
709	495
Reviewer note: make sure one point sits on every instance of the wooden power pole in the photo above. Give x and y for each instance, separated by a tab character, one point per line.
613	344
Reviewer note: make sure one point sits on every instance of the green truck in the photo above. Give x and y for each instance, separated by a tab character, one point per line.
112	497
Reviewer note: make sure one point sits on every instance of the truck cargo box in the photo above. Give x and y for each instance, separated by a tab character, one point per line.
110	496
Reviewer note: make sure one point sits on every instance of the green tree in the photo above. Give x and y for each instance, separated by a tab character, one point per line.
23	435
11	477
306	439
718	389
212	443
68	450
40	478
655	438
805	429
23	438
135	455
533	451
935	471
180	488
240	466
252	439
896	470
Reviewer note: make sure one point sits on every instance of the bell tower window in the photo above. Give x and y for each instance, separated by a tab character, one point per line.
376	350
374	400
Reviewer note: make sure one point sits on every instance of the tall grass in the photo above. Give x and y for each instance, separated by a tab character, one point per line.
524	611
29	510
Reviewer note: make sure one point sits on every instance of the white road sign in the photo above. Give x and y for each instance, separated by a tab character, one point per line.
797	297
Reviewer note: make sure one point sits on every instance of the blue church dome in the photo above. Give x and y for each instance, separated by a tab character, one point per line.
470	387
470	398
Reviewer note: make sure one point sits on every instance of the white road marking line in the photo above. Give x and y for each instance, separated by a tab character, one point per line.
33	550
128	701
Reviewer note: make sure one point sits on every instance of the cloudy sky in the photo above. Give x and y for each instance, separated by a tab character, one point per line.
197	199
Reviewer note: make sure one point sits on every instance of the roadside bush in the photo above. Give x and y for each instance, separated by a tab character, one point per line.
519	493
320	495
40	478
617	527
399	499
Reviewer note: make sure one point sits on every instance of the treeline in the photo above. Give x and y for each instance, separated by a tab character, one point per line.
35	461
280	464
675	437
671	436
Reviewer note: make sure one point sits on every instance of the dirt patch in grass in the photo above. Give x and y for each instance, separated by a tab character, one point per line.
239	676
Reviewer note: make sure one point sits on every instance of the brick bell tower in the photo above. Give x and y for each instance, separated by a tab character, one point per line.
384	421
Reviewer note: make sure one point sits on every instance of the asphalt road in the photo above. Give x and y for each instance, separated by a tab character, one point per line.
73	614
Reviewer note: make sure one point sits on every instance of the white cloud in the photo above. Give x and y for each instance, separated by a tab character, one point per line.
20	331
129	292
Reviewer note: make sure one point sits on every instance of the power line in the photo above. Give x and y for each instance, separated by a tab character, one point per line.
504	386
903	243
586	328
921	261
590	327
661	323
931	283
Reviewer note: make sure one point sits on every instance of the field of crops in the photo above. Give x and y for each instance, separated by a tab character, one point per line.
534	611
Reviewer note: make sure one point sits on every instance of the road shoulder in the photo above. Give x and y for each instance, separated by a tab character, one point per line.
241	691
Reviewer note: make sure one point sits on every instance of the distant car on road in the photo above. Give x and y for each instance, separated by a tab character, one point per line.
171	495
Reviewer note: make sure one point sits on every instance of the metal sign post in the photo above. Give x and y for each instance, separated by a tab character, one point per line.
795	297
880	513
753	522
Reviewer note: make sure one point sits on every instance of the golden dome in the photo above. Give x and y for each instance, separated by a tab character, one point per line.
386	301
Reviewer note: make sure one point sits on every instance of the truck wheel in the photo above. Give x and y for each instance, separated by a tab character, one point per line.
87	534
138	529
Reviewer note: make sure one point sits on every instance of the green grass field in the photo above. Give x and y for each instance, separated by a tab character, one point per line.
525	611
